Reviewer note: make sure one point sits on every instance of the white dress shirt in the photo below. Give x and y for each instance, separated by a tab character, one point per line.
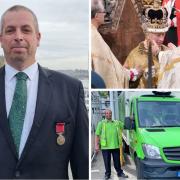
32	89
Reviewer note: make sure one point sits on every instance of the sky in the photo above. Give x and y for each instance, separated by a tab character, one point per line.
64	30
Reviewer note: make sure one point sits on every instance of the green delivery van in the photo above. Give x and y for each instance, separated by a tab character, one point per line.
152	134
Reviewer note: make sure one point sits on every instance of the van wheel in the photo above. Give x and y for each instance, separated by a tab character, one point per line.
139	169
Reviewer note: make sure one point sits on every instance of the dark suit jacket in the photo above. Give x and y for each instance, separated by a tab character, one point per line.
60	99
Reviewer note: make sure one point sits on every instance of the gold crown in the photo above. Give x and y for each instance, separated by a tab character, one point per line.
155	18
147	3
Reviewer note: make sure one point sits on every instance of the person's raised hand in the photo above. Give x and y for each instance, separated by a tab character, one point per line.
171	46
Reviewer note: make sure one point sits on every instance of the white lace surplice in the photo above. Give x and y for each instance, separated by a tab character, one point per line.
169	74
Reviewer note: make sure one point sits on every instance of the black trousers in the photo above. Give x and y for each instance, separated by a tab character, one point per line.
107	161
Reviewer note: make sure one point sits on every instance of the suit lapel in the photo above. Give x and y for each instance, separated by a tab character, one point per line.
4	124
42	102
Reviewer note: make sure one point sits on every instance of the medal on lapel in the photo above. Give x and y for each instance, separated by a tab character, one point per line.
59	132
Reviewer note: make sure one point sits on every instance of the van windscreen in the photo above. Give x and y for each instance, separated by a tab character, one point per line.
158	114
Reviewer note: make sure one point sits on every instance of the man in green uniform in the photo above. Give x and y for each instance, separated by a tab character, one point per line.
109	139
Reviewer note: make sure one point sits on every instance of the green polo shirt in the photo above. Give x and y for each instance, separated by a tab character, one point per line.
110	133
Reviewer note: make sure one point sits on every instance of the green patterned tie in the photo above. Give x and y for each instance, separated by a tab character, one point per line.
18	108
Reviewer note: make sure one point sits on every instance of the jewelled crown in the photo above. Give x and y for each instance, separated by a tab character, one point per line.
155	18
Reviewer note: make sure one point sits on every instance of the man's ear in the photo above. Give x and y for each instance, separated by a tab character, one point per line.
38	38
0	39
96	16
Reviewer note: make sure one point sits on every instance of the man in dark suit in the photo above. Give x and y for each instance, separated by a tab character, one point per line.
43	118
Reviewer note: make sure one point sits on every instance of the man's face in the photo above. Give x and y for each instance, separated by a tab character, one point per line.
101	13
100	17
157	37
19	38
108	114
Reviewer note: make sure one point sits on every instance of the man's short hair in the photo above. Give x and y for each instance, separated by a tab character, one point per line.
96	6
19	8
108	109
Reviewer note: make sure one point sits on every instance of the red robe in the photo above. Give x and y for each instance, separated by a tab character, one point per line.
177	7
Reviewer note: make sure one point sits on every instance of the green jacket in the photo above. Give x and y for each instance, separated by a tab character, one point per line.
110	133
